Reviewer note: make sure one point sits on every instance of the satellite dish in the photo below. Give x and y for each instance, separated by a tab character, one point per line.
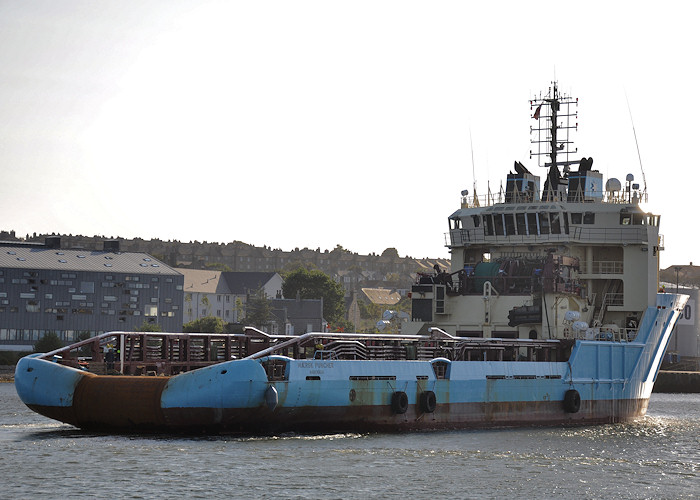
580	326
629	178
572	316
613	185
465	192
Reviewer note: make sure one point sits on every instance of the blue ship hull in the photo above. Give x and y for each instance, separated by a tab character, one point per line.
602	381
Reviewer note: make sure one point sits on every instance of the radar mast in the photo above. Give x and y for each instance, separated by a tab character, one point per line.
557	118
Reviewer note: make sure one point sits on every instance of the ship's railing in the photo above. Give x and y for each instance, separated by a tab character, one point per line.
158	353
624	198
484	200
419	347
602	267
492	198
614	299
605	333
637	234
462	237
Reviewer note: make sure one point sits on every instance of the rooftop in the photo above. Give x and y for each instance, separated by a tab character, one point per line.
27	257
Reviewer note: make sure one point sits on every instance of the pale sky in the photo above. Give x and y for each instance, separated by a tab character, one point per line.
322	123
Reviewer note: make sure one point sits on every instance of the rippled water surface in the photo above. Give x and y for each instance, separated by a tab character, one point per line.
655	457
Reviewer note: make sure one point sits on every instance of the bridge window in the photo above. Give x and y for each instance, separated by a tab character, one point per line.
498	224
510	224
532	223
556	224
544	222
488	225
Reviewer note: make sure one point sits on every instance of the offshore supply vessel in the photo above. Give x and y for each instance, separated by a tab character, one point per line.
549	315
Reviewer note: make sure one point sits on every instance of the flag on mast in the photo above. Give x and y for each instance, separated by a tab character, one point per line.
536	116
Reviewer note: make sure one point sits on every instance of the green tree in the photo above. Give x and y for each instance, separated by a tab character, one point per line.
85	350
205	303
49	342
258	310
209	324
238	310
316	284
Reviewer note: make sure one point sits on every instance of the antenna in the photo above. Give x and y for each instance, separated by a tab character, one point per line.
473	170
636	143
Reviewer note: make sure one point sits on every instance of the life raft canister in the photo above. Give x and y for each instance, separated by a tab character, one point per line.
572	401
399	402
428	402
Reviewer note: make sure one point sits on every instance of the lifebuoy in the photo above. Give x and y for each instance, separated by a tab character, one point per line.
572	401
399	402
428	402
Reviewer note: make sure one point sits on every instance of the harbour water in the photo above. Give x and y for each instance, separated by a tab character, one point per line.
655	457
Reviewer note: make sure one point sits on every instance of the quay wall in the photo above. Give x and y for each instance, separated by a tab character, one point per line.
677	381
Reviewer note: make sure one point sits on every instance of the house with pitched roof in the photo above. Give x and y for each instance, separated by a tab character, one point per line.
224	294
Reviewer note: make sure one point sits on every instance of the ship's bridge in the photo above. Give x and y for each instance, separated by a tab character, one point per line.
542	222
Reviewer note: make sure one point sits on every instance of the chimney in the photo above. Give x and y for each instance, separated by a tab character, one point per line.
52	242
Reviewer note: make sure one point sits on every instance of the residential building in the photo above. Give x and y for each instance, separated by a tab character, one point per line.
224	294
206	294
45	288
297	316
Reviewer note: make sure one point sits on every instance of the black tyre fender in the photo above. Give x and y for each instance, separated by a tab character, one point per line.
428	402
572	401
399	402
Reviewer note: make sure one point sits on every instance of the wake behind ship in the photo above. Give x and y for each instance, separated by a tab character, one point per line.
549	315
